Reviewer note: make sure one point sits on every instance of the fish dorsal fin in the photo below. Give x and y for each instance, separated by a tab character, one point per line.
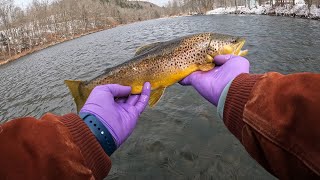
146	48
155	96
108	69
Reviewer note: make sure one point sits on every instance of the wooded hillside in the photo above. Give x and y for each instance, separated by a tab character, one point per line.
47	22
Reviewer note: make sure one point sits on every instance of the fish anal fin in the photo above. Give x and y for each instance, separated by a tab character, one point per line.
206	67
146	48
155	96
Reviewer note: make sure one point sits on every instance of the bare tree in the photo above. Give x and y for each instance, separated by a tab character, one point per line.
6	7
45	21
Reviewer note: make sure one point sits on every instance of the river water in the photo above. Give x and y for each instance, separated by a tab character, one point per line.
182	137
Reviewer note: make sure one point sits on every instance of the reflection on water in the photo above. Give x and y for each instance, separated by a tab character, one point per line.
182	137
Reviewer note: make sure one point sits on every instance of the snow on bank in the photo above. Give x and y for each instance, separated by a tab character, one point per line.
300	10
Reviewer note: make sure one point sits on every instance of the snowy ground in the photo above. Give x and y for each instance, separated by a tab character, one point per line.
300	9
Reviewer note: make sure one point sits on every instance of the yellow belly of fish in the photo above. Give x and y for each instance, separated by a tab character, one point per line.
160	82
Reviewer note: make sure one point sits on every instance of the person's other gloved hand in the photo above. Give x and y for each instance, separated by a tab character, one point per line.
211	84
118	115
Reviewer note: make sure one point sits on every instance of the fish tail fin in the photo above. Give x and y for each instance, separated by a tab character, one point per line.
78	92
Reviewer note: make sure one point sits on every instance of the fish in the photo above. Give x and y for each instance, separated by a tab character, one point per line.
162	64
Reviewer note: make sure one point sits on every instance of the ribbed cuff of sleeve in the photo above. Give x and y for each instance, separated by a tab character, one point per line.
222	100
237	97
95	157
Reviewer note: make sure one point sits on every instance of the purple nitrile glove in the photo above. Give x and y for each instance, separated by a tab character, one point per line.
118	116
210	84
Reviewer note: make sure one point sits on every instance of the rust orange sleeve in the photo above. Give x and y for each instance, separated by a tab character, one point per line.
54	147
276	118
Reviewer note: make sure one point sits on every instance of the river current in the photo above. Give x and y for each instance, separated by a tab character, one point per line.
182	137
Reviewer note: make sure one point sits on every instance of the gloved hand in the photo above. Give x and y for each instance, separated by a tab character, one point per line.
211	84
118	116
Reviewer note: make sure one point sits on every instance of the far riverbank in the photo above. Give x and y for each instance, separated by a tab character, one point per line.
41	47
298	10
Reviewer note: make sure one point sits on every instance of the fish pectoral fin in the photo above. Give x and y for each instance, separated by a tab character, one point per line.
206	67
155	96
226	50
243	52
146	48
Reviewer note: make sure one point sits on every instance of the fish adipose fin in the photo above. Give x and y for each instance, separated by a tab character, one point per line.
146	48
78	93
155	96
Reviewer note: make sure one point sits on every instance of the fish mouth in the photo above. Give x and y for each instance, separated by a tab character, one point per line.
238	46
234	48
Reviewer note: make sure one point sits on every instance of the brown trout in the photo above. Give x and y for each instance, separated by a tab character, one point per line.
162	64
